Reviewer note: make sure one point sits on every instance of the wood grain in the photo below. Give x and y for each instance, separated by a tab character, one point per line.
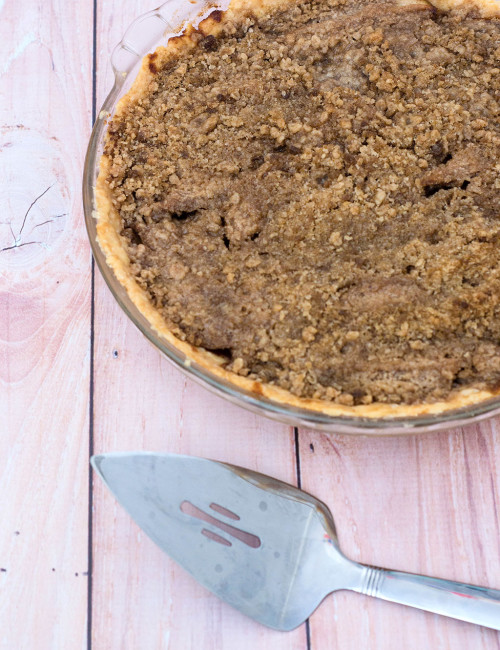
142	402
45	85
424	504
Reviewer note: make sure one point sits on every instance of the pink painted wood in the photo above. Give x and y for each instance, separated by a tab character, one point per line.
423	504
426	504
45	293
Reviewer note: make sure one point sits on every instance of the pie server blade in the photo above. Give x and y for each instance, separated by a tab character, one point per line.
263	546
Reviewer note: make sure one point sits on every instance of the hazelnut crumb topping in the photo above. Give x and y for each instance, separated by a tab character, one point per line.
315	197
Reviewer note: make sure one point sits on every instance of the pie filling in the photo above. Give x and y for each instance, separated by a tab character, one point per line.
314	196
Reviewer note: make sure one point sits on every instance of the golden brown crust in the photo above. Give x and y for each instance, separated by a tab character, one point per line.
485	8
112	244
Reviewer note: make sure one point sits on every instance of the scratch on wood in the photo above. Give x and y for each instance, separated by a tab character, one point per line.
17	240
333	446
57	216
16	245
31	206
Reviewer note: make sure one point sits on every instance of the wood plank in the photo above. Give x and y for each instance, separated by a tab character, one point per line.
426	504
45	90
140	598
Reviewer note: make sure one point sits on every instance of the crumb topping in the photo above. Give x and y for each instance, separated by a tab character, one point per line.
315	197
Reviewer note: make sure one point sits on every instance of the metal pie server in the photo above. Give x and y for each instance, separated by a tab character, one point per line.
263	546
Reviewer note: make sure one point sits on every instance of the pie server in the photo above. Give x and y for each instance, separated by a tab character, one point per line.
265	547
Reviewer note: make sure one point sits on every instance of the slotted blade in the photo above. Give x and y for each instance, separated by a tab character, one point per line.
246	546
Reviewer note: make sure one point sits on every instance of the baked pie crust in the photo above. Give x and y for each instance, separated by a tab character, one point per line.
110	226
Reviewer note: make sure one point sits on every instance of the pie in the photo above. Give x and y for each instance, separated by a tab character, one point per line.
303	196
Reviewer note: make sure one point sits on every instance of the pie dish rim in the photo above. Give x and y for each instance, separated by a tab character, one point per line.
103	232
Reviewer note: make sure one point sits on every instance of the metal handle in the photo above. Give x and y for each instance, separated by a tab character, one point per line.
466	602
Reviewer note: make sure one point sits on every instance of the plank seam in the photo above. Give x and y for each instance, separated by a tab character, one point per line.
299	485
91	379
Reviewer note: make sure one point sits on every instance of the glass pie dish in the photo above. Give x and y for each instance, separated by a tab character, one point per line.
144	36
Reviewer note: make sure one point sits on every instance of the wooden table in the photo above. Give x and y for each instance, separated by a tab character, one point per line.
77	378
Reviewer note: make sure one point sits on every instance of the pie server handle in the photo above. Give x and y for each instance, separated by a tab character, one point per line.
477	605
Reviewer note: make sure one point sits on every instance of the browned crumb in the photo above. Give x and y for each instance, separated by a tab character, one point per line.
316	198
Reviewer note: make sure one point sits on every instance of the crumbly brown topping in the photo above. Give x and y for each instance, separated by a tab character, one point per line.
315	197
